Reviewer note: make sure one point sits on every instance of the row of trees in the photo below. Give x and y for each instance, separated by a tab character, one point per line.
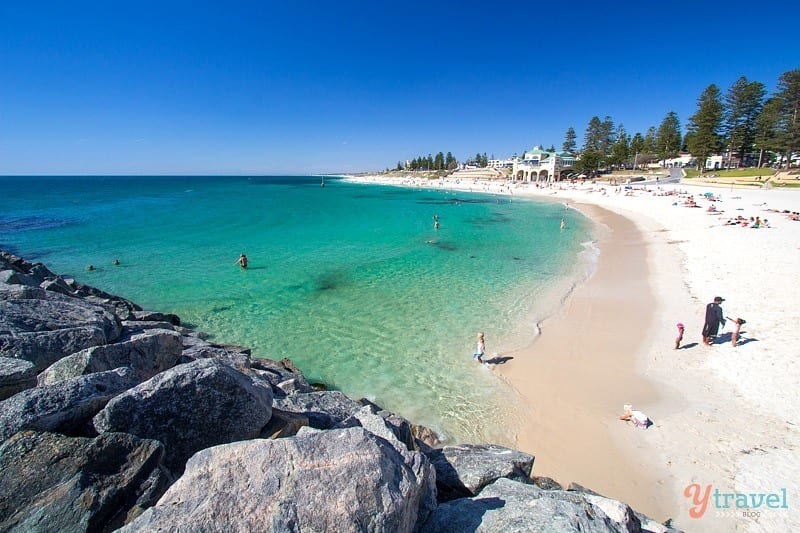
442	162
744	120
438	162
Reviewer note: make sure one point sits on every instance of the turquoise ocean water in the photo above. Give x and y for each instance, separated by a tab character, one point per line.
352	282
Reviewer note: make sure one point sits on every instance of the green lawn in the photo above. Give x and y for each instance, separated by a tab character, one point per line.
733	173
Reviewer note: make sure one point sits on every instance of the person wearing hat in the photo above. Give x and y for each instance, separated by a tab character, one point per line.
714	318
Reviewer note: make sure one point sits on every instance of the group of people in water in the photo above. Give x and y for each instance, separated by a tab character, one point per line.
92	267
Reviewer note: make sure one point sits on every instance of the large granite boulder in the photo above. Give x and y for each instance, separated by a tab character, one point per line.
324	409
15	375
465	469
50	482
146	354
283	376
340	480
510	506
382	423
62	407
43	331
191	407
152	316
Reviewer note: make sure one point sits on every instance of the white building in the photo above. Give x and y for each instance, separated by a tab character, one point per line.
540	165
719	162
682	161
500	163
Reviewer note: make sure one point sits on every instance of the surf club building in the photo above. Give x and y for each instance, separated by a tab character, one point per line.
539	165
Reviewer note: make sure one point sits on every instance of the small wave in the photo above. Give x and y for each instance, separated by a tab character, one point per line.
18	224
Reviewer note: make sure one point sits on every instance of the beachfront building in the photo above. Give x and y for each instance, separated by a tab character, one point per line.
500	163
718	162
539	165
682	161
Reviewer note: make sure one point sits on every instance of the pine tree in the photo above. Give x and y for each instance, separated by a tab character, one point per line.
637	144
620	150
569	141
788	97
650	141
607	136
594	134
766	135
704	126
668	137
438	161
743	103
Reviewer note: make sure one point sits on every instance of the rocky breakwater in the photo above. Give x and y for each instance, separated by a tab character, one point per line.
112	417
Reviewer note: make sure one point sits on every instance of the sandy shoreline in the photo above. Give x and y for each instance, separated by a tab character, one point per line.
724	417
577	375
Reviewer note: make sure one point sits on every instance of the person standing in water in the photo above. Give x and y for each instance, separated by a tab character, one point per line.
563	224
480	349
242	261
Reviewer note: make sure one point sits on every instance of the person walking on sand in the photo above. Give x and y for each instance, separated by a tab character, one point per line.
714	317
679	338
480	350
242	261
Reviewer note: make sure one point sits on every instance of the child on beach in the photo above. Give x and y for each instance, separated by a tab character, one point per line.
679	338
480	350
735	335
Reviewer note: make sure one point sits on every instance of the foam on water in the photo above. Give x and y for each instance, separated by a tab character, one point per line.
352	282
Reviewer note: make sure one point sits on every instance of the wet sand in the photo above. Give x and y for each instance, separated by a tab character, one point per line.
578	374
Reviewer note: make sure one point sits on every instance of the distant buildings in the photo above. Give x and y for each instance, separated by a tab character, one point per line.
541	165
500	163
682	161
718	162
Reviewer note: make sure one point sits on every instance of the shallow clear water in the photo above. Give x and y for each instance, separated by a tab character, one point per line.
352	282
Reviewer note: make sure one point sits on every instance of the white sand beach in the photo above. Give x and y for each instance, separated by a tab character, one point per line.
725	417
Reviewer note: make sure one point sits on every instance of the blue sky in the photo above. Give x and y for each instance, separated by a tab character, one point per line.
311	87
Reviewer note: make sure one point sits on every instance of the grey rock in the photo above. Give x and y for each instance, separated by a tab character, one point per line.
202	350
425	438
12	277
134	327
157	317
15	375
375	424
57	285
191	407
146	354
341	480
21	292
294	385
51	482
324	409
283	424
546	483
43	331
465	469
388	425
63	407
511	507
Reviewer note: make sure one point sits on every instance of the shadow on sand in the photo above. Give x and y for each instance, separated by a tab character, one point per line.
499	360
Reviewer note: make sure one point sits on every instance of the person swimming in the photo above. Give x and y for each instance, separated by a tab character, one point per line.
242	261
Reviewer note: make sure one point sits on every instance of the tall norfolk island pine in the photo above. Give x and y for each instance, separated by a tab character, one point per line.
788	101
704	126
